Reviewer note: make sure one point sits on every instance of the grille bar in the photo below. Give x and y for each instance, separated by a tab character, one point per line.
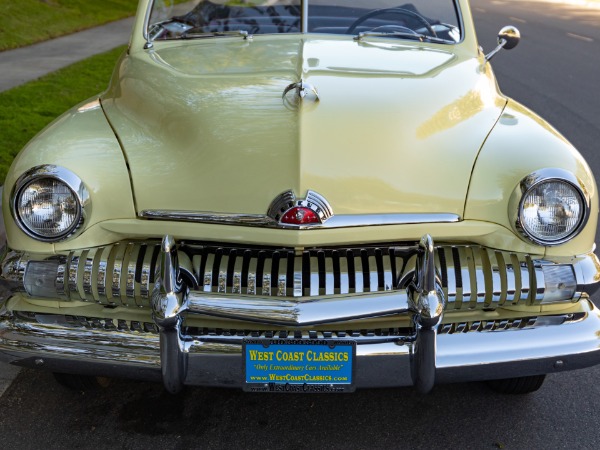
473	277
480	326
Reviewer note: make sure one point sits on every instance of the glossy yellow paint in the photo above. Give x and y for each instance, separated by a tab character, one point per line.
397	128
83	142
520	144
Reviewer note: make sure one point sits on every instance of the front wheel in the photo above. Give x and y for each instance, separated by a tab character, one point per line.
517	386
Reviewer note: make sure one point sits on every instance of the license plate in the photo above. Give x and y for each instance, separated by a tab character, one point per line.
299	365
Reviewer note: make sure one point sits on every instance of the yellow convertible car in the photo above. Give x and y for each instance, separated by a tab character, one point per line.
301	196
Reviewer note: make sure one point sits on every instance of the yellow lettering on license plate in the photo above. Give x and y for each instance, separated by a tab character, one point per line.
298	365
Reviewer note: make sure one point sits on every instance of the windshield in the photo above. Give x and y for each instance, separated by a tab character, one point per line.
424	20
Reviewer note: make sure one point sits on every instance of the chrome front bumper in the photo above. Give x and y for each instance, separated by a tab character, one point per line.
429	352
465	352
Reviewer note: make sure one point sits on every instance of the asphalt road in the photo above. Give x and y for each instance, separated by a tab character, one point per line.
555	72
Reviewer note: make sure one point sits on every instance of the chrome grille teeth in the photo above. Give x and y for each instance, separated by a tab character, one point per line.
150	328
121	274
472	277
283	273
73	270
132	263
141	286
88	272
476	277
486	326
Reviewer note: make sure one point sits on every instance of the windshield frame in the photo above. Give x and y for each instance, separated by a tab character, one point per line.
304	24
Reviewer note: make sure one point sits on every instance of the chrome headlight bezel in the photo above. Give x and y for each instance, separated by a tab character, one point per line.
533	181
70	180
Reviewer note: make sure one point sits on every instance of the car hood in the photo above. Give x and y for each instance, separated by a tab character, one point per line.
396	128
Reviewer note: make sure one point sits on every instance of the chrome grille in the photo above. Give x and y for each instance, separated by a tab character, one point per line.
475	277
90	323
472	277
120	274
286	273
487	325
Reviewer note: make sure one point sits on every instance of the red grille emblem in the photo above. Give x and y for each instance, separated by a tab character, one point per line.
299	216
288	210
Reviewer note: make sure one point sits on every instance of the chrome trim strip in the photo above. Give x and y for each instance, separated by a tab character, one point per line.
338	221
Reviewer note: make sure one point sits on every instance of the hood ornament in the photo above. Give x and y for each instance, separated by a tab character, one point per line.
286	209
295	93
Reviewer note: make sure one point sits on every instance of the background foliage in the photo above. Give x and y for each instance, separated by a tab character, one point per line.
25	22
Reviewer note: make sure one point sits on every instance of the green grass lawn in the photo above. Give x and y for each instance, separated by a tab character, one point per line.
25	22
26	109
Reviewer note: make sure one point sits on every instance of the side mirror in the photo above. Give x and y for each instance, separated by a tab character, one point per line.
508	38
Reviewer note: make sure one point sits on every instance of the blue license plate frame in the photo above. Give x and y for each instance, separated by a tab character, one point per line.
299	365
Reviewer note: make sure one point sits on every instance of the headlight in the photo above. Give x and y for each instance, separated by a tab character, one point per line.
48	203
552	207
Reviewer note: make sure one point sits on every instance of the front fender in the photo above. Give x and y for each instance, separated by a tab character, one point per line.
520	144
82	141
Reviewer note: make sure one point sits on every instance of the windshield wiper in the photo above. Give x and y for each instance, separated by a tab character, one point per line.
195	35
402	35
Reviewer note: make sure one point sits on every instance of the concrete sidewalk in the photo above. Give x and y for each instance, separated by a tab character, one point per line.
28	63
